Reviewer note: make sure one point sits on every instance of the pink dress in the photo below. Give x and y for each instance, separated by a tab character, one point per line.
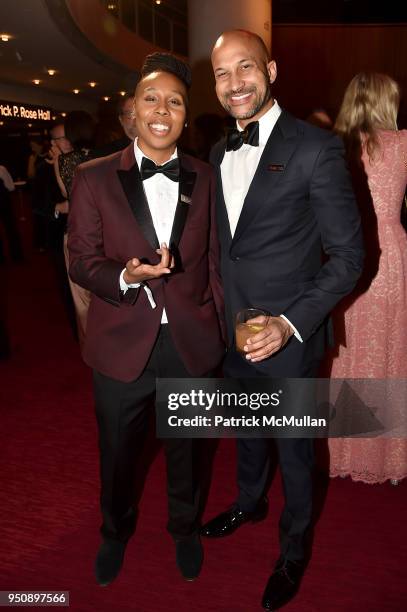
373	322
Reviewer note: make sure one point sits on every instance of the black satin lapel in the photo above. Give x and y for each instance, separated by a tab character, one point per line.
216	158
134	190
277	151
221	210
186	187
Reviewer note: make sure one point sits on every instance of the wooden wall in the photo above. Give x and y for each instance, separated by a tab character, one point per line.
316	62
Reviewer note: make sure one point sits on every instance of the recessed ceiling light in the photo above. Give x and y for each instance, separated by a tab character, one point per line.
30	125
5	37
36	81
63	114
92	84
54	117
51	71
76	91
1	122
111	6
122	93
158	1
106	98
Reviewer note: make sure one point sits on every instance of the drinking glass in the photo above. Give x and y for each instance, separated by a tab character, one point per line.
249	322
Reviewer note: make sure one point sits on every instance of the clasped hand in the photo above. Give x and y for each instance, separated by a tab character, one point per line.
138	272
271	339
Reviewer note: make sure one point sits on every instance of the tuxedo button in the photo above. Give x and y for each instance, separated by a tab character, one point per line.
235	258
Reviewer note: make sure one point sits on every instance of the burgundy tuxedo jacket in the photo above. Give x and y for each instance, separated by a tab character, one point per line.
110	223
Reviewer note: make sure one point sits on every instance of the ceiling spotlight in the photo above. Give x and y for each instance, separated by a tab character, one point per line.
106	98
54	117
63	114
36	81
111	6
92	84
122	93
51	71
1	122
30	125
158	1
76	91
5	37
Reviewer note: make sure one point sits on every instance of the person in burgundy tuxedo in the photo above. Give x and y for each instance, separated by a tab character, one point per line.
142	239
284	196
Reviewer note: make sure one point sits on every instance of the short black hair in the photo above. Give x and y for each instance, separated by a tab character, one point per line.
166	62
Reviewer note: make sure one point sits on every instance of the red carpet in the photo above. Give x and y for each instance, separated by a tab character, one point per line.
49	515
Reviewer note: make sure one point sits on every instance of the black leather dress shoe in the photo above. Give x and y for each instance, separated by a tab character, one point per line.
283	584
109	561
189	557
227	522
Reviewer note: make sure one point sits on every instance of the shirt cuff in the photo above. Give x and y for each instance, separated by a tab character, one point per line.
296	332
124	286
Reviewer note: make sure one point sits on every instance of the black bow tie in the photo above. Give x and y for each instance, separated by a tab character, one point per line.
149	168
236	138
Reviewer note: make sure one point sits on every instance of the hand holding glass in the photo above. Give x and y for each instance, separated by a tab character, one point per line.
249	322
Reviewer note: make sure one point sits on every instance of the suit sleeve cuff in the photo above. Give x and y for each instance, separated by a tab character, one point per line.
296	332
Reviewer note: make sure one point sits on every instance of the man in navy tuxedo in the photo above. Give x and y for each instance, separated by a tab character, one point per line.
284	196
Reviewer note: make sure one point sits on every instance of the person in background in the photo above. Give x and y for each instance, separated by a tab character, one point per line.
125	112
142	238
79	131
38	154
8	220
375	319
320	118
125	115
37	180
54	199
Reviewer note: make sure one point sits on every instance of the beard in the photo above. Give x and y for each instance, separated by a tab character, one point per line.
260	100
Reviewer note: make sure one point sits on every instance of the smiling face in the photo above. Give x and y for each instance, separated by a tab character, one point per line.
243	75
160	112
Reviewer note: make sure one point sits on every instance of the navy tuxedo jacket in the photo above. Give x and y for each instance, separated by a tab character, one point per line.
297	249
110	223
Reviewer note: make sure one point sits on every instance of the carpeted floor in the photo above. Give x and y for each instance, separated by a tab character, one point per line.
49	515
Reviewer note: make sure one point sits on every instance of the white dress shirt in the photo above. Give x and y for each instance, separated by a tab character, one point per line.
238	169
162	197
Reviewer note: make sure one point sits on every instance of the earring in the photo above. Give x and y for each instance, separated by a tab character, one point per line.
186	124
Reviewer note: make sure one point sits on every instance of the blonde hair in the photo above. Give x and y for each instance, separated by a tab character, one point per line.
370	103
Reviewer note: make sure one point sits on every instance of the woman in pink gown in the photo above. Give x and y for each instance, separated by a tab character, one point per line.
374	320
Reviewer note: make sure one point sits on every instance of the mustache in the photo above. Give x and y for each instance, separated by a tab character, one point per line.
240	92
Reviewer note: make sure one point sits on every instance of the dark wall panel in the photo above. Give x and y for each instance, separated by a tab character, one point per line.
316	62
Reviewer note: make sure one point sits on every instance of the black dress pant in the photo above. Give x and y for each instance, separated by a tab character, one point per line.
122	410
296	459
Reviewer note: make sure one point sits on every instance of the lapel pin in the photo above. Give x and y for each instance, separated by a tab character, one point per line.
276	167
185	199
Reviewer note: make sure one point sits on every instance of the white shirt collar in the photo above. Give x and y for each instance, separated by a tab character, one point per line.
266	123
139	154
